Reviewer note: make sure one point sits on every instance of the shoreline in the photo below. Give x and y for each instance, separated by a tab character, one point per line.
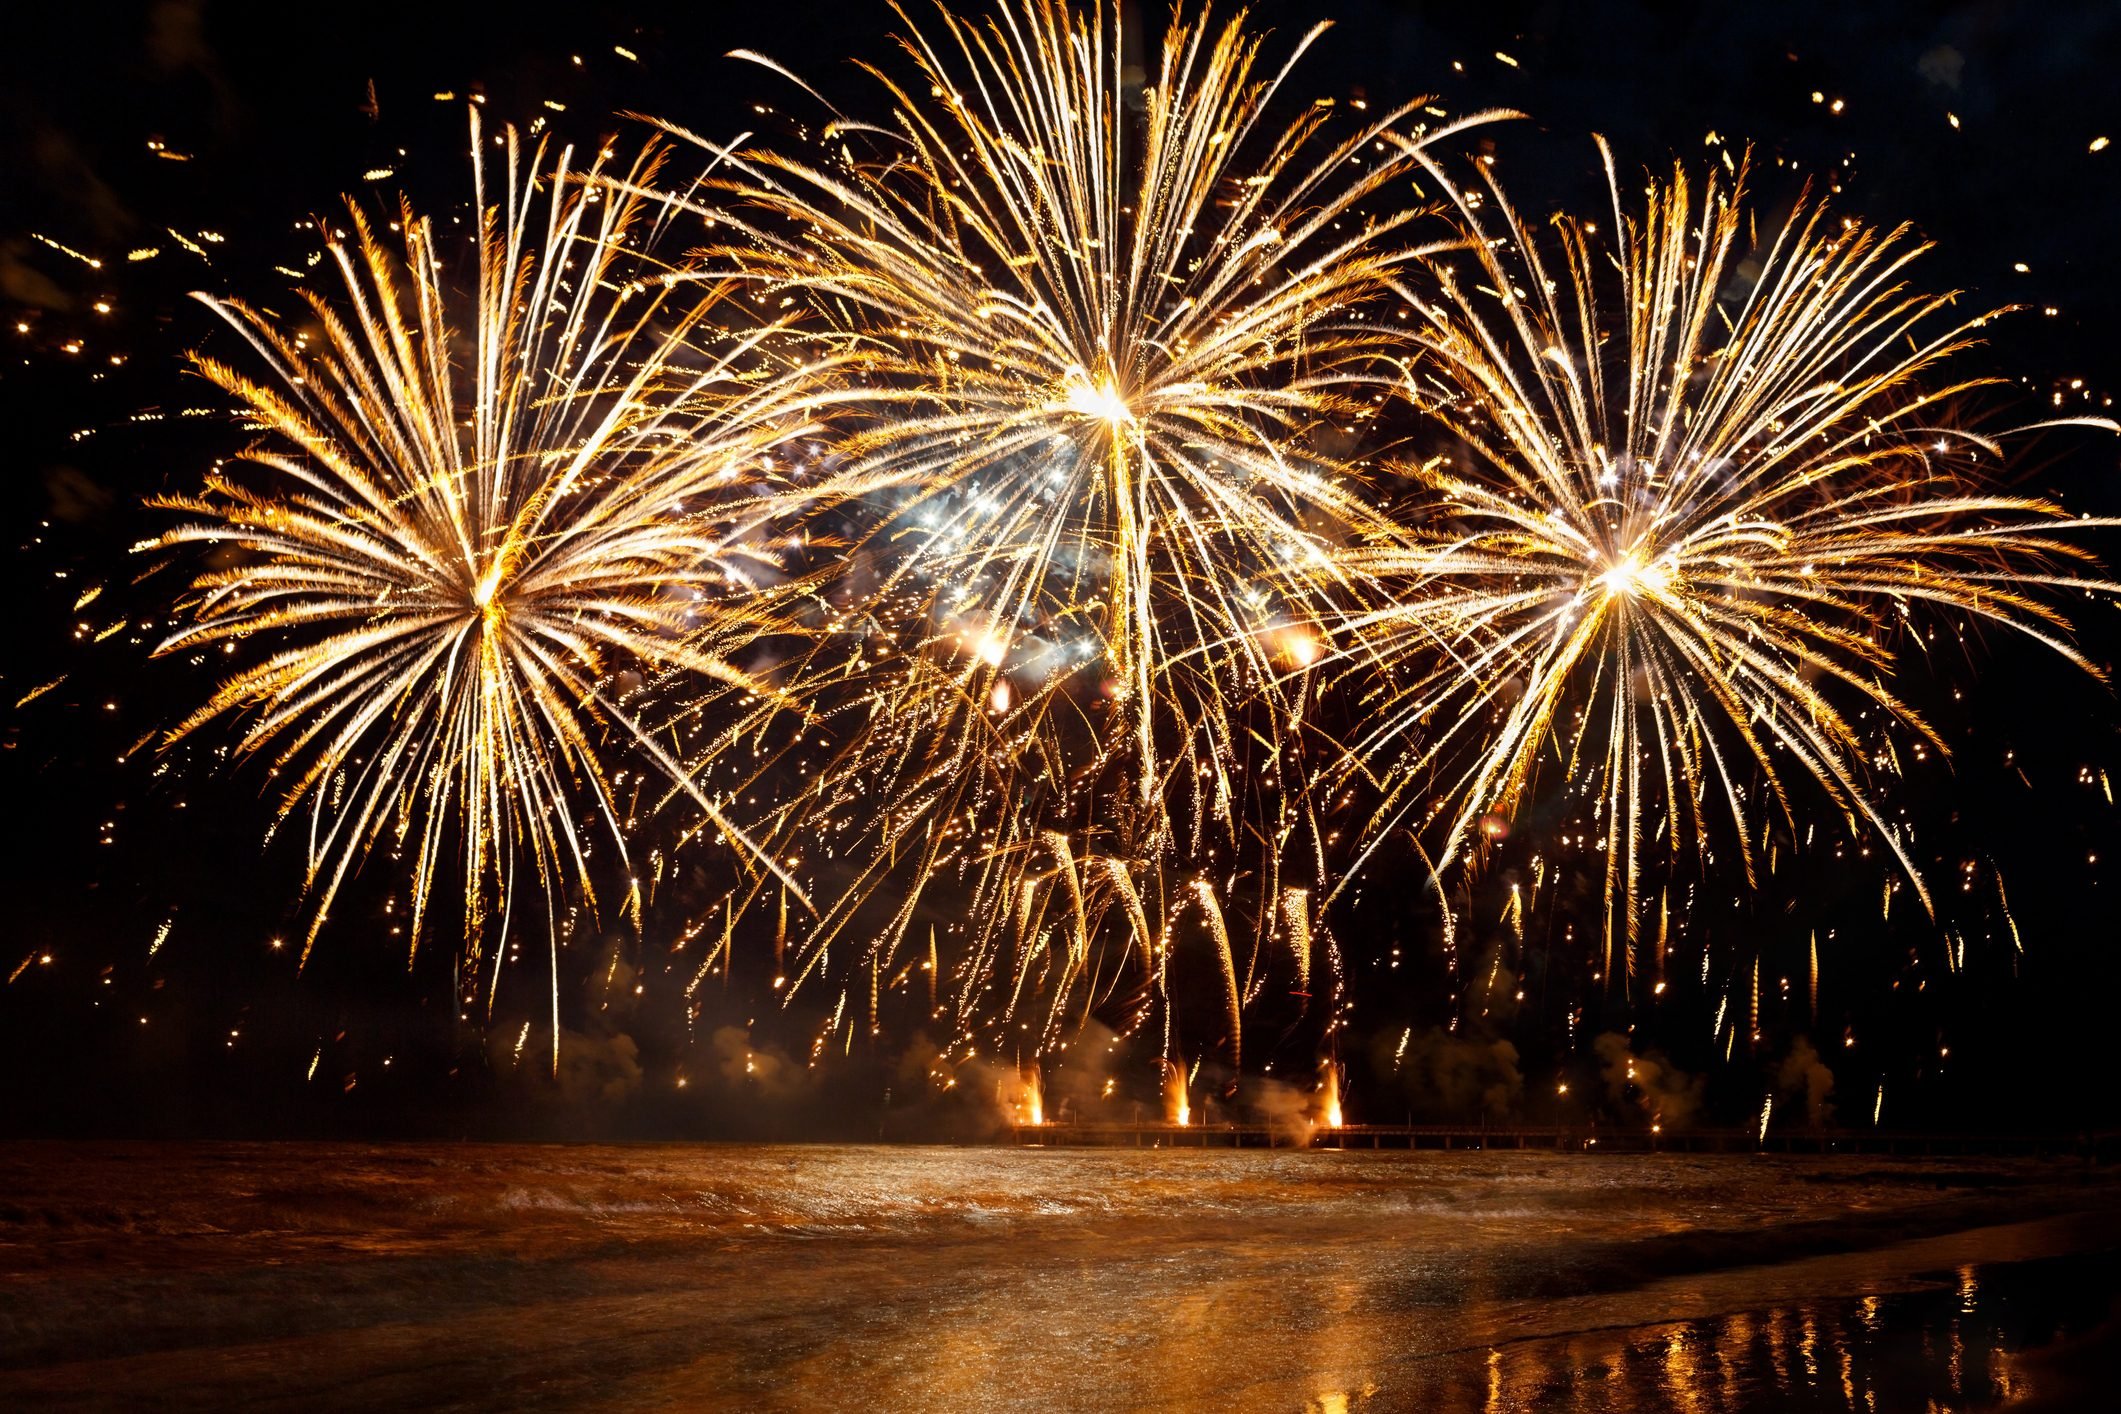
484	1276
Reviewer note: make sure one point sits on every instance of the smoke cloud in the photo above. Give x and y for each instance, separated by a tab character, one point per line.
1666	1095
1450	1077
1804	1073
766	1071
1290	1112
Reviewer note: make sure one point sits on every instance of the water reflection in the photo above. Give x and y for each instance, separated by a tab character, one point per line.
2039	1334
900	1279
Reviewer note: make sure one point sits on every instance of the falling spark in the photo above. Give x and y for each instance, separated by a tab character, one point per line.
89	260
1296	914
38	691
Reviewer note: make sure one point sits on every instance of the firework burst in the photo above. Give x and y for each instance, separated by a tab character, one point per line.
467	517
1701	488
1118	343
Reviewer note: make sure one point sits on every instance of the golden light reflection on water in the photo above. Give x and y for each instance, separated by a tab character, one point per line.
1940	1350
912	1279
1945	1348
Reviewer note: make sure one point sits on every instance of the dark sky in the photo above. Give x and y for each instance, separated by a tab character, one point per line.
274	110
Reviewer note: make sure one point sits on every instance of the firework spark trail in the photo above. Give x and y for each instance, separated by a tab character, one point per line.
1115	342
1699	496
458	545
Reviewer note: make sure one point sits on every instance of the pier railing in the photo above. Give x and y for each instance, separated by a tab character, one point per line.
2104	1145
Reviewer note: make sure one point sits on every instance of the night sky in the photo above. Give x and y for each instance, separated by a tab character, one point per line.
225	127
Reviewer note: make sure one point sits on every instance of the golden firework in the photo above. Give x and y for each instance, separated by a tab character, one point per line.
468	512
1119	344
1703	489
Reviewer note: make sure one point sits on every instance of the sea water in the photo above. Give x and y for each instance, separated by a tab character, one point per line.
908	1278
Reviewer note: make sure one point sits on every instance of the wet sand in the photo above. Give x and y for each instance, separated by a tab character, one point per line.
492	1276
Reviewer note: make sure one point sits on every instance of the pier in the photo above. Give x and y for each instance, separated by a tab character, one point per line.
2101	1145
